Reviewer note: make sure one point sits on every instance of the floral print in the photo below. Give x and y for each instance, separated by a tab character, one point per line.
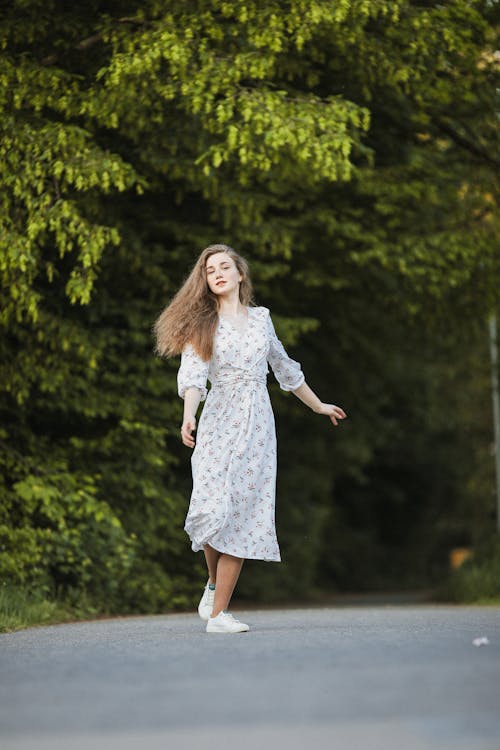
234	459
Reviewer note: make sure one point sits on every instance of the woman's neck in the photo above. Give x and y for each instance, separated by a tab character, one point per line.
231	308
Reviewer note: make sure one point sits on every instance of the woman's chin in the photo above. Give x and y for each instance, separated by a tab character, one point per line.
224	292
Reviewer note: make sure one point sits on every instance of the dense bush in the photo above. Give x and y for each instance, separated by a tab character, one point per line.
478	579
56	535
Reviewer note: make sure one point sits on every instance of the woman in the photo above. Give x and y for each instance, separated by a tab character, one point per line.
227	340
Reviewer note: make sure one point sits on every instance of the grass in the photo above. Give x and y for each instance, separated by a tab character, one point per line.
22	609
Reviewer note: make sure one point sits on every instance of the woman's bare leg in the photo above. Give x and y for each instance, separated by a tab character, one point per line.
212	558
228	571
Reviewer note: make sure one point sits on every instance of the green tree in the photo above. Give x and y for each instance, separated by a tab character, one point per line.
347	149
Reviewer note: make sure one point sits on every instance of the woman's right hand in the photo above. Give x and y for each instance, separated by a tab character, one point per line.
188	426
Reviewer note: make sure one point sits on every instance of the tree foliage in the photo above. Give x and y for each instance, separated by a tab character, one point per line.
350	151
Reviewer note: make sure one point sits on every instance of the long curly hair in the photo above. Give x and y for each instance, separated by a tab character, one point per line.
192	314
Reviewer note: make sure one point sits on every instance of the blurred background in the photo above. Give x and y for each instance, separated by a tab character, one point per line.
349	150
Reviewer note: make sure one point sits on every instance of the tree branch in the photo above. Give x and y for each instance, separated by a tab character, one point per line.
89	41
465	143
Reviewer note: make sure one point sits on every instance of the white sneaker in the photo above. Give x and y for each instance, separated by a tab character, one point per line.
206	604
225	623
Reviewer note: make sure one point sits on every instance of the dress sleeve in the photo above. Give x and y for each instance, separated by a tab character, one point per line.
287	371
192	373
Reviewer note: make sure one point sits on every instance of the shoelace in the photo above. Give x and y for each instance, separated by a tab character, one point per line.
230	616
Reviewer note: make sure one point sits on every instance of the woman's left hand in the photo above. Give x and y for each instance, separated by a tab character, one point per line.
332	411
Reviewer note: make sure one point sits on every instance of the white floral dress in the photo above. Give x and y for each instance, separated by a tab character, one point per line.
234	459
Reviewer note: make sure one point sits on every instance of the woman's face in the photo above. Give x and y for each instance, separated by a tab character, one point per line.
222	275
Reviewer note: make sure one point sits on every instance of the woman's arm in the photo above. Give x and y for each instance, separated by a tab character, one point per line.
192	398
192	387
305	394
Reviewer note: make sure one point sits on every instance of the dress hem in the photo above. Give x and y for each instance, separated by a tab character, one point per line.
199	548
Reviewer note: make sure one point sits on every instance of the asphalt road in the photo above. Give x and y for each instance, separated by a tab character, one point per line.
356	678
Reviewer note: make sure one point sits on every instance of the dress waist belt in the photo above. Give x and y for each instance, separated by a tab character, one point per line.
240	377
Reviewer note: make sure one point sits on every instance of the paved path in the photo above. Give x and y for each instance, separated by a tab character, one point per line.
374	678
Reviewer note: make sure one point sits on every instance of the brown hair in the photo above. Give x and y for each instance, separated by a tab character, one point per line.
191	316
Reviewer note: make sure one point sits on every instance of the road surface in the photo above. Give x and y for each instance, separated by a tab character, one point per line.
356	678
